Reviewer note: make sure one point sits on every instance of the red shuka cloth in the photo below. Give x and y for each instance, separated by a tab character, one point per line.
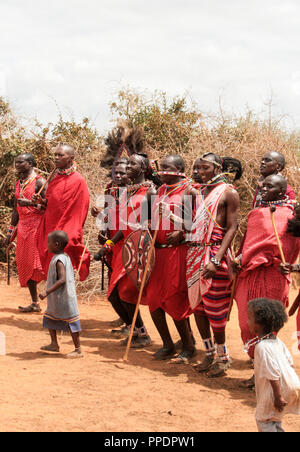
67	209
167	287
129	215
260	276
28	259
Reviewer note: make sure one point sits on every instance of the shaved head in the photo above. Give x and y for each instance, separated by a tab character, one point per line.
175	160
67	148
279	180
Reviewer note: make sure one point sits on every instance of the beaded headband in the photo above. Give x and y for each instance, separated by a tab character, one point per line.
209	161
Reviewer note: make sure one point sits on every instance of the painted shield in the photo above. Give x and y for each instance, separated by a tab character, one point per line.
135	254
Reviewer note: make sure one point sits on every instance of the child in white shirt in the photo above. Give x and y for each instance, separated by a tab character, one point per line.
276	382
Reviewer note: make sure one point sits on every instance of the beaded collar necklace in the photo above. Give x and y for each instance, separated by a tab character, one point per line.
218	179
68	171
171	173
131	189
26	182
256	340
281	202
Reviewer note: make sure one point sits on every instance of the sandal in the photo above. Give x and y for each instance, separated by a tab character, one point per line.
164	353
183	357
141	342
248	384
34	307
206	364
218	369
50	348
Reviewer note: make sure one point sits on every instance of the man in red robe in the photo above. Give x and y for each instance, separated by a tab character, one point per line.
167	292
260	275
133	212
67	204
26	217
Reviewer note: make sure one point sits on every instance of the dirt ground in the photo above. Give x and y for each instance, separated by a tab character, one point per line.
42	392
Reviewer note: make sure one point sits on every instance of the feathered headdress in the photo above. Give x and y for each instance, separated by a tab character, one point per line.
122	139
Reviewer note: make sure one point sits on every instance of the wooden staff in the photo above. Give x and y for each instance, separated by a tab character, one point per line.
125	357
102	275
272	210
8	264
8	255
49	178
233	287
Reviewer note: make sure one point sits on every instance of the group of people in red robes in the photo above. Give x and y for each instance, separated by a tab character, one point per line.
40	207
196	222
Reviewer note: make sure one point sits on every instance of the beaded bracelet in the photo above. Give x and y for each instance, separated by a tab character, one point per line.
11	230
216	262
109	244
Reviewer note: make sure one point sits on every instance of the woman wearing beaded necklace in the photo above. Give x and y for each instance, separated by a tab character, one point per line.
260	258
26	217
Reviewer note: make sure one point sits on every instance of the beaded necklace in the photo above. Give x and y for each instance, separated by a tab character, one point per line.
256	340
280	202
170	173
68	171
26	182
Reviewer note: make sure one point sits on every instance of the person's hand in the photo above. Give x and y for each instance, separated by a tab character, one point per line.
101	254
209	270
236	265
175	237
38	199
279	403
286	268
43	295
24	202
102	238
6	241
95	211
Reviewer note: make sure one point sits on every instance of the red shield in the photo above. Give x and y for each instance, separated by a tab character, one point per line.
135	254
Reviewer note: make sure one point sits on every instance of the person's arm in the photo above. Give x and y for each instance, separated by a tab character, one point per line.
61	280
232	209
279	401
109	244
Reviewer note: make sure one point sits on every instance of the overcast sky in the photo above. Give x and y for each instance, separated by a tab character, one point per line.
75	55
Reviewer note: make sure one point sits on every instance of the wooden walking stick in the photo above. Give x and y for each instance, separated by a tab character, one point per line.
272	210
49	178
8	264
233	287
8	255
125	357
102	274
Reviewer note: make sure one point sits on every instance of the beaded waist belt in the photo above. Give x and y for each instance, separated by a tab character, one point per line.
161	245
205	244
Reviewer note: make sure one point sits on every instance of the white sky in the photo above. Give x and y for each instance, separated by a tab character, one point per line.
75	55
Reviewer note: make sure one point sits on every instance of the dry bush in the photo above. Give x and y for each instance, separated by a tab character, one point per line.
170	126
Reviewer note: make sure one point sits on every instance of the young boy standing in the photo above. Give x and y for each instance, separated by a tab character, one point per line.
62	311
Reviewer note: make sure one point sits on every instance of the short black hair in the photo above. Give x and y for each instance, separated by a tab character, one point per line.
217	159
60	236
29	158
268	313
